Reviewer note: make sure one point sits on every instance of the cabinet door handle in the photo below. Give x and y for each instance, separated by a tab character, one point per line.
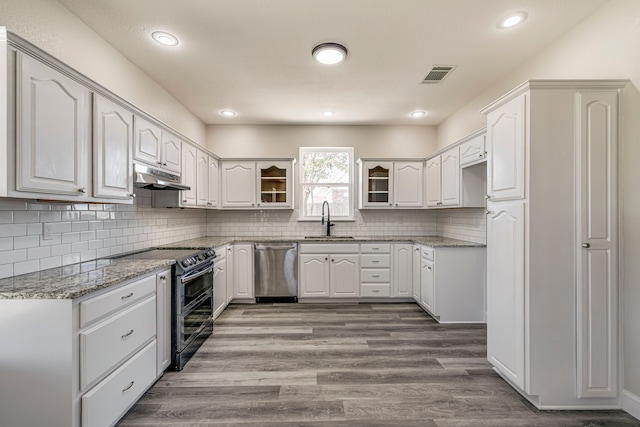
480	155
133	196
586	245
488	212
429	268
160	163
163	277
124	297
127	334
487	197
128	387
164	164
82	190
184	201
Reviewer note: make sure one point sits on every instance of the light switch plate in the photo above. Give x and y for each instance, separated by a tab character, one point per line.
47	232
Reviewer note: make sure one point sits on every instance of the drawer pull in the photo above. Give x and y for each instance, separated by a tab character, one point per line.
375	275
375	261
376	249
129	295
128	387
375	291
127	334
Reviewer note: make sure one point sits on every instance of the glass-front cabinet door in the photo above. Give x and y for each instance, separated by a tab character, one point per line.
378	184
274	184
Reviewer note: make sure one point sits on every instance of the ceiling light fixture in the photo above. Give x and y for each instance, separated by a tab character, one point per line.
329	53
165	38
418	114
228	113
512	20
328	113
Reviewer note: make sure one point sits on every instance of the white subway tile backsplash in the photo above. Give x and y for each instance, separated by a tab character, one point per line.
6	217
20	217
13	230
6	270
26	267
50	217
6	243
63	249
39	252
51	262
70	237
13	256
26	242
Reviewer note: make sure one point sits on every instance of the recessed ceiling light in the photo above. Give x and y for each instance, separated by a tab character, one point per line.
418	114
328	113
165	38
228	113
329	53
512	20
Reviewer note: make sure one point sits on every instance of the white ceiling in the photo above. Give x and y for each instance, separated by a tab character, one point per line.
254	56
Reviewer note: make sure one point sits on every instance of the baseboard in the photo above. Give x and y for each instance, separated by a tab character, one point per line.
631	403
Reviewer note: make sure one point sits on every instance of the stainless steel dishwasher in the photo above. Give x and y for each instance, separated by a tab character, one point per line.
276	272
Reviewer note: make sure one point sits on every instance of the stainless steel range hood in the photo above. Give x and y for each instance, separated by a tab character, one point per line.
155	179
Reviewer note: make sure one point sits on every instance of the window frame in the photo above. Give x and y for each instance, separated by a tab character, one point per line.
351	185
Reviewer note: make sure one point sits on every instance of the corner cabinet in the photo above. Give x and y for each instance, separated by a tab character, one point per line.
387	184
552	241
261	184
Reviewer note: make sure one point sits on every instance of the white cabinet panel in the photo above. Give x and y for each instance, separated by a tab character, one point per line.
427	286
213	186
170	148
505	288
407	184
163	320
506	150
344	276
112	143
433	185
219	286
473	150
202	178
53	122
146	143
189	169
416	273
402	270
238	184
314	275
450	180
243	271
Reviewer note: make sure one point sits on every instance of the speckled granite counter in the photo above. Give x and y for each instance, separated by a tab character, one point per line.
213	242
76	280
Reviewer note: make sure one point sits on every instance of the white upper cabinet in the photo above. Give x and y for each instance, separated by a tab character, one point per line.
202	179
407	184
450	180
443	179
214	179
53	131
391	184
189	168
506	150
155	146
112	142
433	185
238	184
146	147
473	150
274	184
261	184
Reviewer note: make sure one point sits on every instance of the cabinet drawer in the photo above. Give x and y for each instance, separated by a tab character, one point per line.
328	248
375	248
371	290
428	253
106	402
382	275
106	344
98	307
370	260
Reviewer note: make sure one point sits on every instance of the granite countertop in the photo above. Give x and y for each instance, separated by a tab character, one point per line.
76	280
214	242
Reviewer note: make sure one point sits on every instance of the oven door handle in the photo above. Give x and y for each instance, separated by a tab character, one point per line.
190	277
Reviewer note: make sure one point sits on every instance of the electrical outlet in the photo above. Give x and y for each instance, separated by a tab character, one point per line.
47	232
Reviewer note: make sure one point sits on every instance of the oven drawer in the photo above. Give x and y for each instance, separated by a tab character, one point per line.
375	261
99	306
375	275
375	290
105	345
106	402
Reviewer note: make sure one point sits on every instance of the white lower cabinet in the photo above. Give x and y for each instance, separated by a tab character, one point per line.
452	283
243	271
163	320
111	398
220	300
329	271
375	270
415	272
81	362
402	270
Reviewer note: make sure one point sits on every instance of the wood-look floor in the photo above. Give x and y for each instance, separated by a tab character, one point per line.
344	365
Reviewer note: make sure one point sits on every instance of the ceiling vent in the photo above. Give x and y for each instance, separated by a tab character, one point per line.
437	74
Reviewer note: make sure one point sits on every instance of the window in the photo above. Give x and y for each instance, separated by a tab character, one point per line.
326	174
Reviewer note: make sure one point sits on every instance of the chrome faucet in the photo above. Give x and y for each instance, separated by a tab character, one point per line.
329	225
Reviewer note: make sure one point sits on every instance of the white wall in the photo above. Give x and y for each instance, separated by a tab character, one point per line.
50	26
606	45
283	141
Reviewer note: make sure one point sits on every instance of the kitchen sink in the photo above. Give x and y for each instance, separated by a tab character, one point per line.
328	237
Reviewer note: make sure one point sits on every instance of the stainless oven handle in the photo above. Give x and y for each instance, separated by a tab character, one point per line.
190	277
